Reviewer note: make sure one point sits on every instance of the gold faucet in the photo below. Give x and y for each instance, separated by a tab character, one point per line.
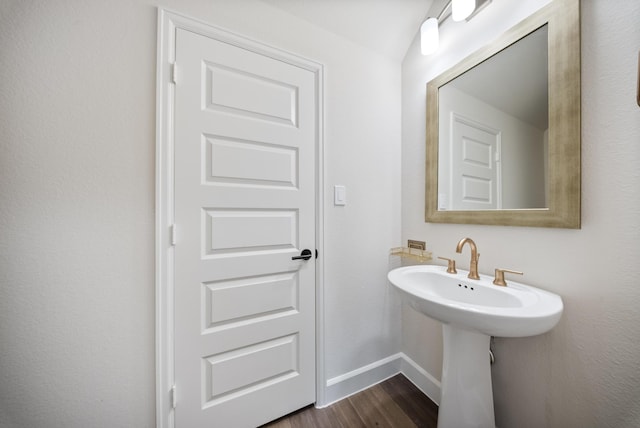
499	279
473	267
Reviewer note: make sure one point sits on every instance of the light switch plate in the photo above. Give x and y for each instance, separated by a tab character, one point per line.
339	195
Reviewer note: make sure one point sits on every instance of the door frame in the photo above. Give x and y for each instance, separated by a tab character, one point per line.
168	23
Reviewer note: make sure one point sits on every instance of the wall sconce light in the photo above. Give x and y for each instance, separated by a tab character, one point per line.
459	11
429	36
462	9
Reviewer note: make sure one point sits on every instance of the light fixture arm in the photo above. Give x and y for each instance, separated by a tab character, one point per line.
443	14
429	34
446	10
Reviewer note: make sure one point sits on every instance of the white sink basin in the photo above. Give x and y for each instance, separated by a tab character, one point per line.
513	311
471	312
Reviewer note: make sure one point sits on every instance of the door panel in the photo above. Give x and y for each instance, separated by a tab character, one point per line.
245	127
250	95
250	163
475	173
249	300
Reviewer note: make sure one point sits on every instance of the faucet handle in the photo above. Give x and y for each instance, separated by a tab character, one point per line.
451	265
499	279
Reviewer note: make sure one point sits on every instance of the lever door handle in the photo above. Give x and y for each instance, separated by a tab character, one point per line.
304	255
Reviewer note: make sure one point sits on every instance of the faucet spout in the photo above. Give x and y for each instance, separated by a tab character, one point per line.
473	265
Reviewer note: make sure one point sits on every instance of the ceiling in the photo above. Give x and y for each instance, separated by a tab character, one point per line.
386	26
389	27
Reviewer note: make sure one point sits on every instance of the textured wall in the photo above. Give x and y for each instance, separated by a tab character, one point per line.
76	214
585	372
77	183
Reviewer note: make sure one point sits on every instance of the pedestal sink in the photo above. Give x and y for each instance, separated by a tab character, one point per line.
471	312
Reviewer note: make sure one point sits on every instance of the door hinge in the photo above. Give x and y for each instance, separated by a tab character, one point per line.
172	397
172	234
174	73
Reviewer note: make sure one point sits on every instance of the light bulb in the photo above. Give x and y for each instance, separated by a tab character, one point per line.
429	37
461	9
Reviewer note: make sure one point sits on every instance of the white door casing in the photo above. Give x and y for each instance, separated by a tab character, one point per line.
475	165
247	174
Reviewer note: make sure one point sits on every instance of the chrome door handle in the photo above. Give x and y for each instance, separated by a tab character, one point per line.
304	255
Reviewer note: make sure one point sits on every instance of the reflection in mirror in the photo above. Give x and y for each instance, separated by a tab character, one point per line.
506	150
493	148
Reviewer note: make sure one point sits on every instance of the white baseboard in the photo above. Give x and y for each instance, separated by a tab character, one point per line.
340	387
426	383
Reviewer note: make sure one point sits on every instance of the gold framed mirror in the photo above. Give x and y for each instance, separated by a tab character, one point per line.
548	195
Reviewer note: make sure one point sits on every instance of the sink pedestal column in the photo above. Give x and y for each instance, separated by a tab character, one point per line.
466	395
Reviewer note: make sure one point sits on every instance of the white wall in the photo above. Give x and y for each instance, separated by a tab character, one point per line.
77	181
585	372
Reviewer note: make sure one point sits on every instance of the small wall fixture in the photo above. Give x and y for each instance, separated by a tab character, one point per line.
462	9
459	10
429	36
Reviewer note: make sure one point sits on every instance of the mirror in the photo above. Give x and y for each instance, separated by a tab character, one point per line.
503	128
492	147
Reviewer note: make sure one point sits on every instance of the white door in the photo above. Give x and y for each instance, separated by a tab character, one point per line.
245	127
475	169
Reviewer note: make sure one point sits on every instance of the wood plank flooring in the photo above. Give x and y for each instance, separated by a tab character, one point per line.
394	403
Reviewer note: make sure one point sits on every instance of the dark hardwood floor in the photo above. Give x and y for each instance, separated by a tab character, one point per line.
394	403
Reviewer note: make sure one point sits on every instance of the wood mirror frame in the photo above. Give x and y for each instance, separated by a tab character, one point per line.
563	210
